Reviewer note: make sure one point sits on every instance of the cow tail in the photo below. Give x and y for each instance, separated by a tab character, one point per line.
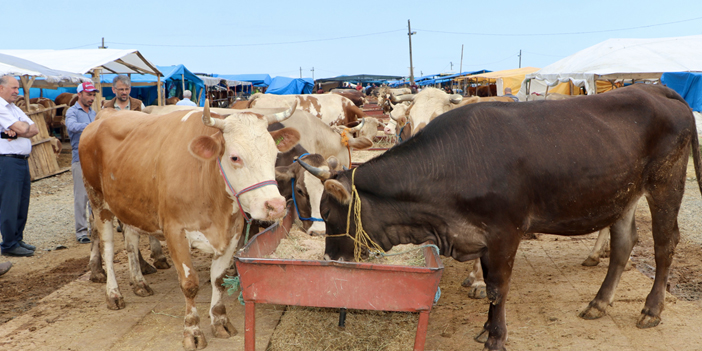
696	155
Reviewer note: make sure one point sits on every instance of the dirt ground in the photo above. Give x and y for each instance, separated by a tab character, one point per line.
549	288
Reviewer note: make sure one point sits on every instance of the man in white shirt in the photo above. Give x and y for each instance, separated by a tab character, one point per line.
186	99
15	147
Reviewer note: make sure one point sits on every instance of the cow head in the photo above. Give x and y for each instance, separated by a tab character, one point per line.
247	153
428	104
308	189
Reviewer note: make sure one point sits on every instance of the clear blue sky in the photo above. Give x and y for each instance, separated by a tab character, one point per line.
343	37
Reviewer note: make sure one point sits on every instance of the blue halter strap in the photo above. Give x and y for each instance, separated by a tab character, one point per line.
312	219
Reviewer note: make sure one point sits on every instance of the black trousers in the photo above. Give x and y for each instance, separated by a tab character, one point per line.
15	184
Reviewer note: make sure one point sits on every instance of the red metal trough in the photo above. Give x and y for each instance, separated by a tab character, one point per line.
332	284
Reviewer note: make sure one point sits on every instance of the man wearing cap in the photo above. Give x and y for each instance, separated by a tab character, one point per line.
15	147
121	87
78	117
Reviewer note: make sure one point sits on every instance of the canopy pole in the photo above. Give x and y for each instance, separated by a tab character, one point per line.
97	104
182	77
26	86
160	93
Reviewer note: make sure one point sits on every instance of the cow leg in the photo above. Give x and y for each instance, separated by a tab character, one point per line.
475	281
497	265
221	326
131	243
157	255
193	337
115	301
623	237
97	273
593	259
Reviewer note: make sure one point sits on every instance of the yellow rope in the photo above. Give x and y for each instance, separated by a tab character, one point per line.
361	239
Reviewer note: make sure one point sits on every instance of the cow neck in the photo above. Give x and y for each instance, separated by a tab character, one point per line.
361	238
299	215
247	189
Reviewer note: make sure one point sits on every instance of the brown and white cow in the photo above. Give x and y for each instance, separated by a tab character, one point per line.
478	178
332	109
180	176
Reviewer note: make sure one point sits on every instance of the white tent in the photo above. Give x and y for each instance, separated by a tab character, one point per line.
94	61
85	60
20	67
617	59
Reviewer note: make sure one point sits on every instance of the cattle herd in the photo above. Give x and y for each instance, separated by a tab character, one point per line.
470	175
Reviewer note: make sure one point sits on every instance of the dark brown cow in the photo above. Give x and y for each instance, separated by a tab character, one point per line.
352	94
478	178
188	178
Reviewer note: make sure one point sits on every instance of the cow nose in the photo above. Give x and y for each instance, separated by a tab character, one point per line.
275	208
388	131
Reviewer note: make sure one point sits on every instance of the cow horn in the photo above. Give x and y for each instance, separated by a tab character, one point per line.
317	172
281	116
359	126
455	98
207	118
401	98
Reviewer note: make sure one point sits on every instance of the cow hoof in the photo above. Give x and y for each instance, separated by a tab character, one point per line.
467	282
147	269
591	262
646	321
592	312
195	341
162	264
477	292
115	302
99	277
143	290
224	330
498	349
482	337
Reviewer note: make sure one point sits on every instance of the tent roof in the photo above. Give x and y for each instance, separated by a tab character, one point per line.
625	59
210	81
175	72
255	79
285	86
84	60
500	74
20	67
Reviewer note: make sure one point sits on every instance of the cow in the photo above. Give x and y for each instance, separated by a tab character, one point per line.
479	177
354	95
387	96
172	100
188	177
332	109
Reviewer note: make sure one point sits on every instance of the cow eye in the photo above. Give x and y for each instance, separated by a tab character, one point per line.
299	191
234	158
325	213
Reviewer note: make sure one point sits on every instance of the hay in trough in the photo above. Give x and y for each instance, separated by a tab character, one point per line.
316	329
300	246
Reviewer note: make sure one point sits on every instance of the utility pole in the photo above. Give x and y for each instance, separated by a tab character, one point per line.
103	44
410	33
451	65
312	73
460	70
300	72
520	58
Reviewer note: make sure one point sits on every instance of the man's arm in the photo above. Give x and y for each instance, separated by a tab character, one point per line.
72	124
24	129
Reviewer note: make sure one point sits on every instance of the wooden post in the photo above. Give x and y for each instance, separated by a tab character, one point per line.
182	77
26	86
160	93
97	104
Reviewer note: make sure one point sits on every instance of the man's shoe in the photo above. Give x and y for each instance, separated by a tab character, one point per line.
4	267
27	246
84	240
18	251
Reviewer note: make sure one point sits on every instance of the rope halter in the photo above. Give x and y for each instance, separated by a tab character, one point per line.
299	215
247	189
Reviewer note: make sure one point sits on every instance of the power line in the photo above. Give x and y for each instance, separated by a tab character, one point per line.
554	34
258	44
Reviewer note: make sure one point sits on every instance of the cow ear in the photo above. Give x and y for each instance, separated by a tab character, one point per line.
333	162
338	191
205	148
360	143
286	138
401	121
284	173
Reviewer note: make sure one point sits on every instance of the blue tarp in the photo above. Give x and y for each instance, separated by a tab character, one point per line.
172	76
287	86
688	85
258	80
